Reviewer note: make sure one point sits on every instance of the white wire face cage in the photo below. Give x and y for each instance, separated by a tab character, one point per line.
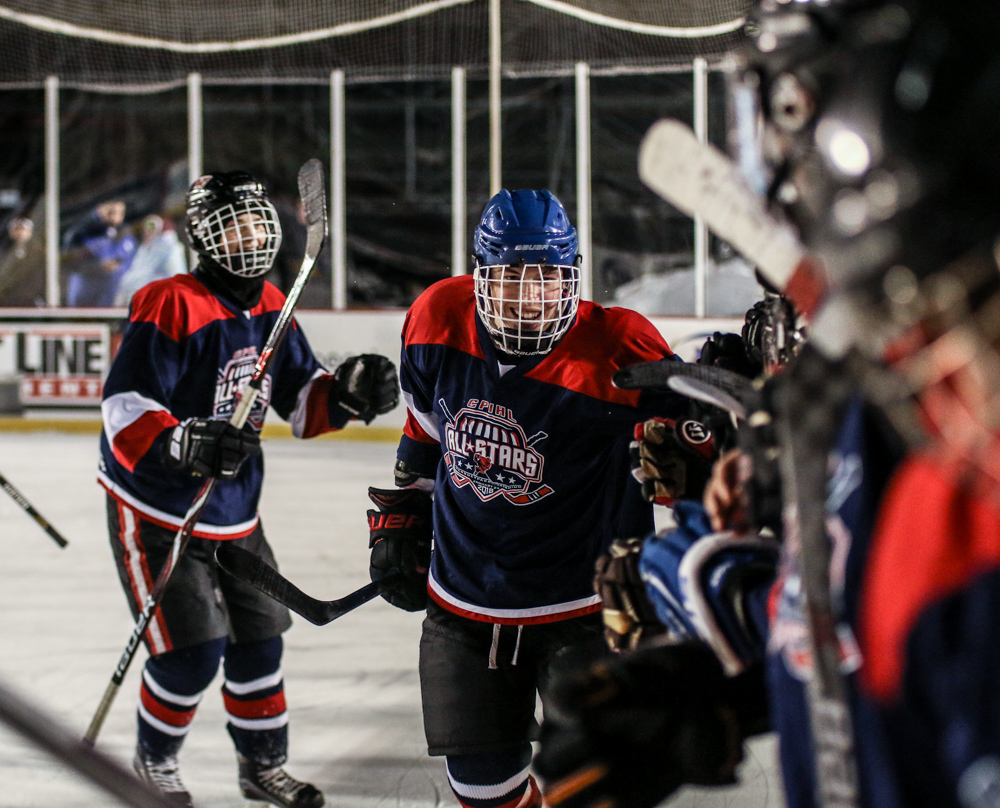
242	238
527	308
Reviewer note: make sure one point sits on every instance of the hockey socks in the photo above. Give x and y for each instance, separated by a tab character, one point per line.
254	696
172	687
494	779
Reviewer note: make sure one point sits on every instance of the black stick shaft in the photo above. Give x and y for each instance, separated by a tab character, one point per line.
252	570
44	732
27	507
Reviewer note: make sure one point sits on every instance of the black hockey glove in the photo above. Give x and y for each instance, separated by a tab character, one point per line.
209	448
629	731
629	617
365	386
730	352
672	459
401	531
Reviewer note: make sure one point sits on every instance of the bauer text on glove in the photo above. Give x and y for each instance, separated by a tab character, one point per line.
400	540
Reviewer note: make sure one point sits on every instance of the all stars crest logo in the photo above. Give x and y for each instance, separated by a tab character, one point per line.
232	380
486	449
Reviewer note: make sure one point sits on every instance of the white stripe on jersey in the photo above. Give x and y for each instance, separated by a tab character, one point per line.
427	420
123	409
157	515
512	614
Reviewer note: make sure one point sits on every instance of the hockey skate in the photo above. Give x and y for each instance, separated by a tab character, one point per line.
164	775
276	786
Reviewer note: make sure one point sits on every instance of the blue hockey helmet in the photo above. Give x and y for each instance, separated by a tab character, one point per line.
528	226
527	275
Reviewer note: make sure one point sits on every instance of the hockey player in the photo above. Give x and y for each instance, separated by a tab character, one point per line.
515	427
190	343
880	115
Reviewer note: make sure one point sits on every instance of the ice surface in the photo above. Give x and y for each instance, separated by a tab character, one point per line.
352	687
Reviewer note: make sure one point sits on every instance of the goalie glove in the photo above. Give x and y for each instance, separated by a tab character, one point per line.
711	587
207	448
629	617
364	386
400	539
672	459
630	730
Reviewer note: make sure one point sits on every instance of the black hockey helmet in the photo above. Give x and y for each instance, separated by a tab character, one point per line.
231	222
881	123
881	119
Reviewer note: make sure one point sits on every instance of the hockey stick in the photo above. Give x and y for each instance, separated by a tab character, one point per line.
713	385
47	734
314	205
808	400
700	180
251	569
26	506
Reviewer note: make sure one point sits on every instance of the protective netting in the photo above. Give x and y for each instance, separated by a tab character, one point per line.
108	44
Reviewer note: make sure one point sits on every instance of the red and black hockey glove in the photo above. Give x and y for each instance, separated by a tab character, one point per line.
209	448
630	730
365	386
401	531
672	459
629	616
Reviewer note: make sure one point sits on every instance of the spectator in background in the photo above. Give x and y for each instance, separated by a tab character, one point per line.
111	249
20	230
160	254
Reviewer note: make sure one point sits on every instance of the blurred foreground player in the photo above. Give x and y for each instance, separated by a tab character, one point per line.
879	118
190	344
516	429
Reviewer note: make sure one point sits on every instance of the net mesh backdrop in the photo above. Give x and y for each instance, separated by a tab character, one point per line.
107	44
123	102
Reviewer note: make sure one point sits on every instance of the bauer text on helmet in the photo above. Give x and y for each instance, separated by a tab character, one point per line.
526	277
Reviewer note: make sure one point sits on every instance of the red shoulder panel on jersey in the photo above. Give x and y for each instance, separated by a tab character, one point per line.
600	342
934	534
444	315
131	444
271	299
178	306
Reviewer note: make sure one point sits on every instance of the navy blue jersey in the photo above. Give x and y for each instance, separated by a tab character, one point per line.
530	461
861	462
186	353
930	623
